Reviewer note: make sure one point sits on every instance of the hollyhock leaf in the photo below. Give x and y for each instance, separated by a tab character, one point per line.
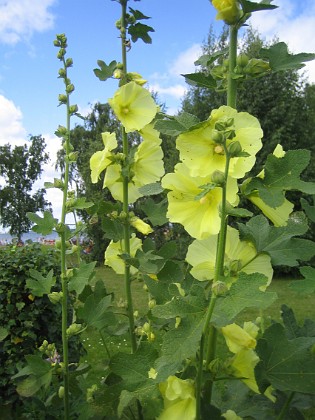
156	212
250	6
244	293
282	174
279	242
309	210
139	30
176	125
178	344
40	285
280	59
45	224
3	333
105	71
151	189
287	365
81	277
138	15
113	229
181	306
207	59
201	80
307	285
238	212
292	328
95	313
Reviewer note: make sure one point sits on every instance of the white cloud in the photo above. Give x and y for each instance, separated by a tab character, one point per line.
20	18
11	126
294	23
171	84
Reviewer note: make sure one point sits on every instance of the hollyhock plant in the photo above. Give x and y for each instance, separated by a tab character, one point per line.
101	159
240	256
200	217
133	106
203	153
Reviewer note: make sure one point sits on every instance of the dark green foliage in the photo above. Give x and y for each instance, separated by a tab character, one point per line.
27	320
21	167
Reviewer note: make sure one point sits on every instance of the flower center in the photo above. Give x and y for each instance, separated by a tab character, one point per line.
218	149
125	110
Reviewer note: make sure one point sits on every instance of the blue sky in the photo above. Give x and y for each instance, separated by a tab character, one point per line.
29	86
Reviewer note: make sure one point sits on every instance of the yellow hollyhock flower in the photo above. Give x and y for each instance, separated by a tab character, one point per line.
146	168
240	256
228	10
200	217
201	153
133	106
100	160
115	249
179	399
238	338
243	364
279	215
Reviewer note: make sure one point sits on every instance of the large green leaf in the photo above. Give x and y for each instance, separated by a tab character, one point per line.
179	344
282	174
279	242
176	125
156	212
280	59
3	333
287	365
139	30
134	370
45	224
309	210
81	277
201	80
40	285
105	71
307	285
181	306
244	293
96	313
151	189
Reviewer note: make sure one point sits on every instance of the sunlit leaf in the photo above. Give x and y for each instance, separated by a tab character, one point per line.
81	277
40	285
201	80
45	224
105	71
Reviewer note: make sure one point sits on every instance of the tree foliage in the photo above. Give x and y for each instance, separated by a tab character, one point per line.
20	167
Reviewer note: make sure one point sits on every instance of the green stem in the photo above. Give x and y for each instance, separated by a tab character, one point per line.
285	407
232	83
64	266
125	192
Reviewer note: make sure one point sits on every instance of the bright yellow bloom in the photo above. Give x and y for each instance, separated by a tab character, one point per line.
146	168
133	106
228	10
200	217
179	399
240	256
140	225
238	338
243	364
279	215
201	153
115	249
100	160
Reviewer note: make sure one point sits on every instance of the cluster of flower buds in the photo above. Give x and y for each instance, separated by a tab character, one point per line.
146	331
50	351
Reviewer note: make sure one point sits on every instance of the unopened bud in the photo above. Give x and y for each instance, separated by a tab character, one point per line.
242	60
69	62
218	178
234	149
55	297
73	329
217	137
61	392
152	303
219	288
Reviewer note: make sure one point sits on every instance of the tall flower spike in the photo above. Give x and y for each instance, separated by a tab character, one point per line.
133	106
240	256
100	160
200	217
201	152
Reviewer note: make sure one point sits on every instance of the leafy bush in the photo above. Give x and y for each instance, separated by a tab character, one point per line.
25	320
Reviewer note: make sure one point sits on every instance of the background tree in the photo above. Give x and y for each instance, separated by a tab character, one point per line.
20	167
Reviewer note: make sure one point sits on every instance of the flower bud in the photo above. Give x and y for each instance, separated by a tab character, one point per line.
152	303
118	24
73	156
256	67
218	178
62	72
62	98
69	62
73	329
70	88
234	149
55	297
62	131
61	53
219	288
141	226
61	392
217	137
73	109
118	74
242	60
